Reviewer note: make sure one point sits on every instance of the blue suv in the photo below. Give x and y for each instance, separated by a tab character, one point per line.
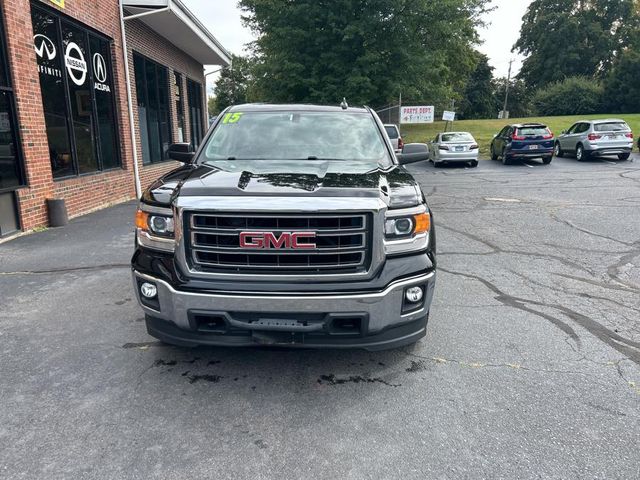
523	141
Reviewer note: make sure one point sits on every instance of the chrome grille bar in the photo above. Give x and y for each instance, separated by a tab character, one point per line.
213	240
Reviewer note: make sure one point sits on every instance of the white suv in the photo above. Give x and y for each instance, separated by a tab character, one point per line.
596	138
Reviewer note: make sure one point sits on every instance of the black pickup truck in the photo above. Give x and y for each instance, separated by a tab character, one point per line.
292	225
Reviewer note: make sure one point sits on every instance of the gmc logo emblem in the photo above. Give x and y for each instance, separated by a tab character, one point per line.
269	240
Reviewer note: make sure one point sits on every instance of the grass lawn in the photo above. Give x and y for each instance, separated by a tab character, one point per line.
484	130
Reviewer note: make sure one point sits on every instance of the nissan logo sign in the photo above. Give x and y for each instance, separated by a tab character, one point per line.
76	65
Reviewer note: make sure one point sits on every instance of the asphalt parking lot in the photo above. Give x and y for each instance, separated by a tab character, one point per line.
531	366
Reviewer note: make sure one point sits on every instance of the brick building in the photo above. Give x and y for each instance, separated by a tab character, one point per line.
65	129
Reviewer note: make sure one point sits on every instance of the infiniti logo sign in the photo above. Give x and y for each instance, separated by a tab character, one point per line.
43	44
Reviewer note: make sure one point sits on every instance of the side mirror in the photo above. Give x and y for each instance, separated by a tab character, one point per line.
181	152
413	153
564	132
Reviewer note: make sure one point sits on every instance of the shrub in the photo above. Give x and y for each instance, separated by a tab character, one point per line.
572	96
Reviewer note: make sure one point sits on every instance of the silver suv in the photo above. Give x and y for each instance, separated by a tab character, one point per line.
596	138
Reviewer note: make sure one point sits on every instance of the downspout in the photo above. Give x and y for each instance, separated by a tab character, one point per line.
132	128
127	77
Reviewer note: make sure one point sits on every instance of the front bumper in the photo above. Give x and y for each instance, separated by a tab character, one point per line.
289	319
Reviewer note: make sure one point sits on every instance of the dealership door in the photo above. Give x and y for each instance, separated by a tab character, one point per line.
194	91
11	168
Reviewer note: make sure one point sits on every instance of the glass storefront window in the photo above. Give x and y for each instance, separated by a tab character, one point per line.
179	105
104	91
77	94
195	112
152	90
11	176
10	168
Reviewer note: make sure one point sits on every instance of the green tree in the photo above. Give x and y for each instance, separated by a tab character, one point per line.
479	98
572	96
564	38
211	107
622	86
368	51
519	97
234	86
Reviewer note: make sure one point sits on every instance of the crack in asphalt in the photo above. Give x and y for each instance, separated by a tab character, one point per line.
627	347
591	233
607	286
418	366
613	271
567	291
499	250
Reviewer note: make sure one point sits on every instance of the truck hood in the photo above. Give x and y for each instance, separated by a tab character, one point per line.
395	186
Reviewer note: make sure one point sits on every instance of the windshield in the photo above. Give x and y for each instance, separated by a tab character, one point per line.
611	127
392	132
300	136
457	137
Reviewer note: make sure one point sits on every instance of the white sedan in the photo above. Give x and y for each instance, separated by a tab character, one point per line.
454	147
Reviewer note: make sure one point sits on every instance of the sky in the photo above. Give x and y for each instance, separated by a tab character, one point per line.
222	18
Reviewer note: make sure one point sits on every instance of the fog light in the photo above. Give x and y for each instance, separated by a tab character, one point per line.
414	294
148	290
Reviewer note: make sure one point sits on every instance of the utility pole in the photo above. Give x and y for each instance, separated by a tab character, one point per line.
506	94
400	110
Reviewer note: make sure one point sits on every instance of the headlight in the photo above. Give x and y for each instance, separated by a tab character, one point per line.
155	228
156	224
404	227
161	225
407	230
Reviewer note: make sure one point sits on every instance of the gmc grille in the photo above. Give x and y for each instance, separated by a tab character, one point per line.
213	243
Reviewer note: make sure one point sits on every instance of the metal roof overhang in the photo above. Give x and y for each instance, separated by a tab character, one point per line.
174	21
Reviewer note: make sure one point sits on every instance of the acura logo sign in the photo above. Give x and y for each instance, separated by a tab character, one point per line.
43	45
99	68
269	240
76	65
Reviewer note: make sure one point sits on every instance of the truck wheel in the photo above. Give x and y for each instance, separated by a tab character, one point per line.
558	150
547	160
581	154
624	156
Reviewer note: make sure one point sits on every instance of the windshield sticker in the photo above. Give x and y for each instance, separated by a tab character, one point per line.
231	118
